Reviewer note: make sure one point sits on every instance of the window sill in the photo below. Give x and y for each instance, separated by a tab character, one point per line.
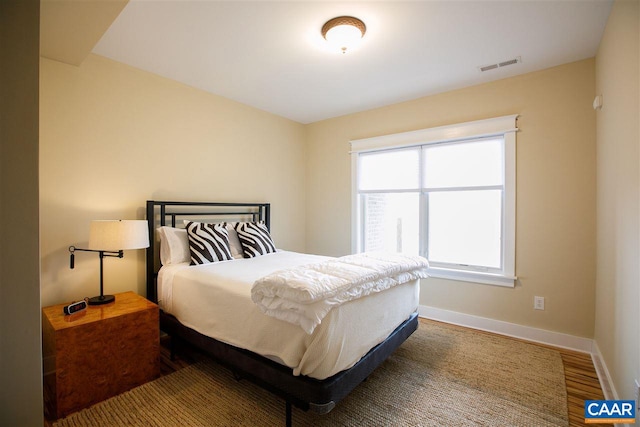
473	276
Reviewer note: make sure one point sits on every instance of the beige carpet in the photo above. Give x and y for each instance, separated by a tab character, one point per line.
441	376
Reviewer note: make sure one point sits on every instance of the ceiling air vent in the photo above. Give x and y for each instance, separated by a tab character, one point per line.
500	64
488	67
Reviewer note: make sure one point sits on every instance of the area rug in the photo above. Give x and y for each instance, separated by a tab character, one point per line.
443	375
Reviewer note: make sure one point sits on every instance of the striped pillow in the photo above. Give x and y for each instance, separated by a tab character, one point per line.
208	242
255	239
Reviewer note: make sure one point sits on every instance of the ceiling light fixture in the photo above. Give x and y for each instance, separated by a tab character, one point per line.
343	32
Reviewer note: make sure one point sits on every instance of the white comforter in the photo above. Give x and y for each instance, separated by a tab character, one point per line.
215	300
303	295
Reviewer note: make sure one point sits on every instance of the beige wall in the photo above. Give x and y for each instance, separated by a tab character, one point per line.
617	330
112	137
20	348
555	248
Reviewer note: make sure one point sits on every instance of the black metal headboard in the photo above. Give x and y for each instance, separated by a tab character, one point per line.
171	213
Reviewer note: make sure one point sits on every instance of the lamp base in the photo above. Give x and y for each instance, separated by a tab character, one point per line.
103	299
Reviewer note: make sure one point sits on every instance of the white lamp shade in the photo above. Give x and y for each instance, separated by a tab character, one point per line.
118	235
343	37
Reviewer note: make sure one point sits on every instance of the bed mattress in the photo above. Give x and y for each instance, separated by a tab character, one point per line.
215	300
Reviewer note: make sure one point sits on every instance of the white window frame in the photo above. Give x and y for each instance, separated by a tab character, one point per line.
505	127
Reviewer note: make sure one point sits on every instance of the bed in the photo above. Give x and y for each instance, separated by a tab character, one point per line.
312	371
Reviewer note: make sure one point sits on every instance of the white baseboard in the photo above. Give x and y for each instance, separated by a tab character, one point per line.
557	339
606	383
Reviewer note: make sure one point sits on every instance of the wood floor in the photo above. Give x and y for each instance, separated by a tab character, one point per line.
580	376
582	384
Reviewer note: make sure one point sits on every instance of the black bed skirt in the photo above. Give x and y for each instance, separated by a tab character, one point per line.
306	393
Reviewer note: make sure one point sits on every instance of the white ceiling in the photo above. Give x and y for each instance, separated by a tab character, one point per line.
271	55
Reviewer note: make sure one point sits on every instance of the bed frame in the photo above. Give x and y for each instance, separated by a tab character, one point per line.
306	393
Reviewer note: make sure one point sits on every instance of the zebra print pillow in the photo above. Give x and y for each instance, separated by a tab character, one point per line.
255	239
208	242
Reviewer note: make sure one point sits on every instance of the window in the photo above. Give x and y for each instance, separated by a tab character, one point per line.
445	193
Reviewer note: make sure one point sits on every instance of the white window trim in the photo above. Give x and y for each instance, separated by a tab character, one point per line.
500	126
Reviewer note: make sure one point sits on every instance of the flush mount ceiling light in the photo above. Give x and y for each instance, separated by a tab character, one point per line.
343	32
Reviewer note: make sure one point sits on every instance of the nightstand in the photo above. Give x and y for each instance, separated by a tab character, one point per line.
98	353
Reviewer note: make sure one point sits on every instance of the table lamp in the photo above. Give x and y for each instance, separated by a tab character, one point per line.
110	238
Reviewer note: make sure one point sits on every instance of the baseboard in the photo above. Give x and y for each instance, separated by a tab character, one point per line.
606	383
557	339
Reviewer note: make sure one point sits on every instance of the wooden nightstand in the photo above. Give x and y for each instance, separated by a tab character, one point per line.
99	352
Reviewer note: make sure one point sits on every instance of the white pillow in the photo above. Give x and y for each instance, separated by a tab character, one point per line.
234	241
174	245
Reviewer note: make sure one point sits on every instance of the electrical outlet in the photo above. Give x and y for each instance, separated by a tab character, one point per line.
538	303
